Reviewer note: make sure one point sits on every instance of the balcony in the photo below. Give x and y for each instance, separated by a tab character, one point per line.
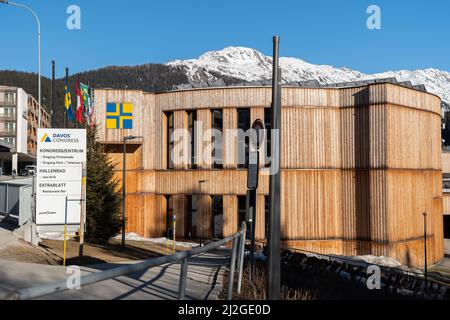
7	133
7	118
7	103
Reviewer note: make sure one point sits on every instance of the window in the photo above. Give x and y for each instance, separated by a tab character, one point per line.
169	217
217	202
192	118
268	144
11	141
243	142
217	126
10	127
242	210
10	97
192	216
170	130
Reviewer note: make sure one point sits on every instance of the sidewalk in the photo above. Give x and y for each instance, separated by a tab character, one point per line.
205	277
7	237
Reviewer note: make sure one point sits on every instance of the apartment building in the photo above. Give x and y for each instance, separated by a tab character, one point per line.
18	127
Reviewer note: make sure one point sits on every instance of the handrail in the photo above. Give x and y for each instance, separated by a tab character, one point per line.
51	288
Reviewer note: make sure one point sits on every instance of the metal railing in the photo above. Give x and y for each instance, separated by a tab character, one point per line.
237	253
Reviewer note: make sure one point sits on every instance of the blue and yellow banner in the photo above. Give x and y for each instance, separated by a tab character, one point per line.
119	116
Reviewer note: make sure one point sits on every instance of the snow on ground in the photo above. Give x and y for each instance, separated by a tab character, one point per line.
382	261
135	237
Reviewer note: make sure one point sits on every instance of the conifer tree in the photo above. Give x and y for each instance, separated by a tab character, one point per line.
103	199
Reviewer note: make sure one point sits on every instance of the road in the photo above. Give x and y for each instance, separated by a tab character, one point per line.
205	276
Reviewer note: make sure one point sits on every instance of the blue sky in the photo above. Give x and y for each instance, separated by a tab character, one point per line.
414	34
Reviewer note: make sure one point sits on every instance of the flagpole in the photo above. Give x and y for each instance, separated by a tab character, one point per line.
65	108
78	101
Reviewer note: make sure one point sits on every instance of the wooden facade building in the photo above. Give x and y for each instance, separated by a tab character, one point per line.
360	165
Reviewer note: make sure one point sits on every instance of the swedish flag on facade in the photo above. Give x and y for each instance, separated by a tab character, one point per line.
119	116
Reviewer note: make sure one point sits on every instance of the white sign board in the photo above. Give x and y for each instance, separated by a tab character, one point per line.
60	157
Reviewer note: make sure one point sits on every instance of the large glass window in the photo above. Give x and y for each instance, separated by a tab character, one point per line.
169	217
217	126
218	216
242	210
169	142
192	216
192	118
243	142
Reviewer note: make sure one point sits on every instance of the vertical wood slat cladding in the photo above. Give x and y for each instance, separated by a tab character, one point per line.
204	138
446	204
230	215
359	164
230	122
147	225
446	162
205	218
180	207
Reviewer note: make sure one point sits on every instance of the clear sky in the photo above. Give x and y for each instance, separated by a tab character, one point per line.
414	34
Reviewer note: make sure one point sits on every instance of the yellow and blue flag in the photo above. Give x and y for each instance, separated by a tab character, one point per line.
68	103
119	116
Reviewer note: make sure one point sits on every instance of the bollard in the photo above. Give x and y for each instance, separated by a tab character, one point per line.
232	267
241	256
183	278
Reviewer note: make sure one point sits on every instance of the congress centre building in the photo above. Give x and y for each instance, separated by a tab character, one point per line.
361	163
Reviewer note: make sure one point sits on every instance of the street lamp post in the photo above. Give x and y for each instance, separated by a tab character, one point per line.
39	49
124	179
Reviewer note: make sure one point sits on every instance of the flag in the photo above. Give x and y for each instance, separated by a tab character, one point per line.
119	116
91	111
86	100
80	104
68	103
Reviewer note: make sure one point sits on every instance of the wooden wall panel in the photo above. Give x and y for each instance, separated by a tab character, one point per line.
446	204
230	215
409	131
180	209
205	218
445	162
204	139
260	218
310	138
230	147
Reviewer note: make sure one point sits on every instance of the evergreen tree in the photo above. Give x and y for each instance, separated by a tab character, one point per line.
103	219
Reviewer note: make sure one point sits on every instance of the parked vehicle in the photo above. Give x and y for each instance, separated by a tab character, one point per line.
28	171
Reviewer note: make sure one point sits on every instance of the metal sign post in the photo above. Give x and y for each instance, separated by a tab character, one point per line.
273	239
256	140
65	226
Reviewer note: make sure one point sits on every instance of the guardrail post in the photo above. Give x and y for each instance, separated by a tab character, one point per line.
241	256
183	278
232	267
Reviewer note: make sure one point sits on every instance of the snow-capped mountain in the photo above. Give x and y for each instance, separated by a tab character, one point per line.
249	65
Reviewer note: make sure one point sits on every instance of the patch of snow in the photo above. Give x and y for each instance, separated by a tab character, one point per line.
382	261
135	237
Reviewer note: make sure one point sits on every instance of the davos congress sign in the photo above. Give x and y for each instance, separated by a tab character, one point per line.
60	159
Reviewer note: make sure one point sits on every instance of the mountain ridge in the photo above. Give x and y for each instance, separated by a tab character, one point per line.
249	65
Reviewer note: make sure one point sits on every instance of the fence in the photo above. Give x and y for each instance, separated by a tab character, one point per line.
237	257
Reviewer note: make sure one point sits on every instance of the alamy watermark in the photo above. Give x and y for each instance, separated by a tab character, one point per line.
374	19
74	19
374	278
